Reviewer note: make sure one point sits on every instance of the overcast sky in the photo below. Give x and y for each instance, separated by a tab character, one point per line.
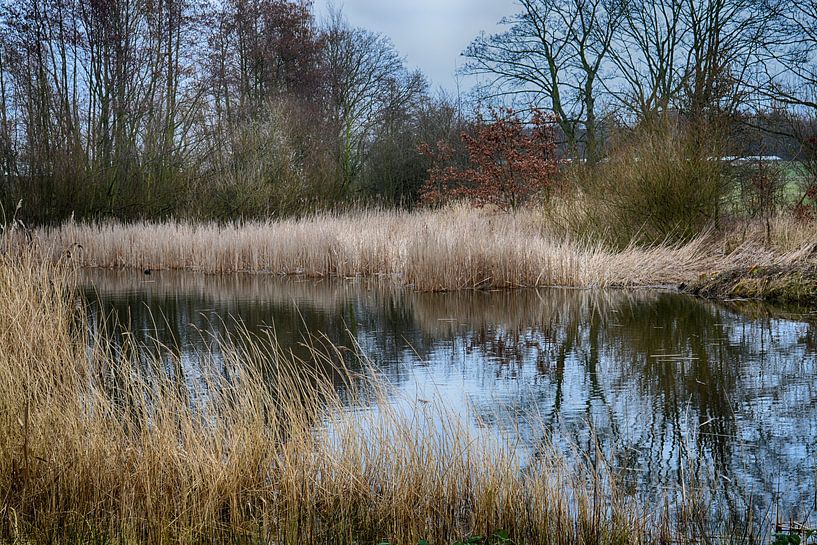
430	34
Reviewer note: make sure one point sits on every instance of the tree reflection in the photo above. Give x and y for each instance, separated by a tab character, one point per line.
660	383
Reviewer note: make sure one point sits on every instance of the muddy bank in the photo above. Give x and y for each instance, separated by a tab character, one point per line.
788	285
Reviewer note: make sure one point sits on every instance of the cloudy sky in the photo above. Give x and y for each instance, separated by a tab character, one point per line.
430	34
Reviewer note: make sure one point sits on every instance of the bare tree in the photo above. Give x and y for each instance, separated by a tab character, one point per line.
723	38
789	75
366	80
553	52
265	61
648	56
262	49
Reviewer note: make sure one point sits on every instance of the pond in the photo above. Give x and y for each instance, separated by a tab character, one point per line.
660	382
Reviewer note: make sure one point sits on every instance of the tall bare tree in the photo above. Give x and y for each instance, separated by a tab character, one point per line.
722	39
648	56
789	75
553	52
366	79
788	80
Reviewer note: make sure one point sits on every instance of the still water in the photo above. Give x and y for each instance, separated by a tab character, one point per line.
652	379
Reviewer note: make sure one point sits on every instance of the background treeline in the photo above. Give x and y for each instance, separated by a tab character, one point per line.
248	108
150	108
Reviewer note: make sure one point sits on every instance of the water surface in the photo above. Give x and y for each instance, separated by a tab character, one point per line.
659	382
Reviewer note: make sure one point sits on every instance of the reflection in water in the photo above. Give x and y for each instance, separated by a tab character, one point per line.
660	383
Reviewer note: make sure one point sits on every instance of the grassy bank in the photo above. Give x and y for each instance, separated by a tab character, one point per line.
448	249
100	446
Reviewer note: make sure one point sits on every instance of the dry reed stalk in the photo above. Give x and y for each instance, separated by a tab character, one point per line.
454	248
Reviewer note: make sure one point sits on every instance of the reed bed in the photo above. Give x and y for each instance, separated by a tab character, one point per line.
432	250
99	444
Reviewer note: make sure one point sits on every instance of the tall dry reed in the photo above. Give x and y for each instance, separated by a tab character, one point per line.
454	248
98	444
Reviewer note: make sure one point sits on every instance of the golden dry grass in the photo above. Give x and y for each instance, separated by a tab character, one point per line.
100	446
454	248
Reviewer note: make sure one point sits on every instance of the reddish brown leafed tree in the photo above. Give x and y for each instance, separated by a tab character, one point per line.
509	161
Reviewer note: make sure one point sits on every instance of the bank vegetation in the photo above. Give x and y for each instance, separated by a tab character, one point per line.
457	247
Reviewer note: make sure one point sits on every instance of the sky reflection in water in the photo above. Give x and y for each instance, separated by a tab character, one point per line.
654	377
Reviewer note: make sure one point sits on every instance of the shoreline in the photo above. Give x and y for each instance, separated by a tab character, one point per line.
793	285
726	288
720	288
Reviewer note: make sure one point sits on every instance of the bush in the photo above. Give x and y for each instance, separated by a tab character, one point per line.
270	166
509	161
659	184
806	207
